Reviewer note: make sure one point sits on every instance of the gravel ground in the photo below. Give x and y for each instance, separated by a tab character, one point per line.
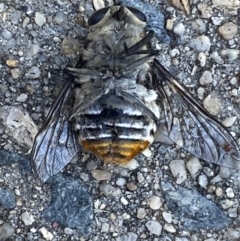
171	195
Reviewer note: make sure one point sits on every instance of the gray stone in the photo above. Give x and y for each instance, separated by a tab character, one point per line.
195	211
7	198
33	73
71	204
6	231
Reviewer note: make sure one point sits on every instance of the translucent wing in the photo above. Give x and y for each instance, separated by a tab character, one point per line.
190	126
55	145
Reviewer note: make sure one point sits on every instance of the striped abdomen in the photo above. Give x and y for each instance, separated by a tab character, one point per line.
114	132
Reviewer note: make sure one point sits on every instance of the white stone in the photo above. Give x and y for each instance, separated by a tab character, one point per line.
194	166
200	92
201	43
179	29
124	201
202	180
141	213
206	78
216	57
212	103
169	228
227	203
178	170
39	19
230	193
202	59
27	218
154	227
219	191
167	217
101	175
121	181
229	121
230	54
22	98
46	234
155	202
226	3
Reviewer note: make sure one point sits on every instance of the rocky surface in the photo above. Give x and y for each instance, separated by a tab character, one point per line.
169	195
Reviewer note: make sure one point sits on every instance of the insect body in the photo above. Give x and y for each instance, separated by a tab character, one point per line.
120	102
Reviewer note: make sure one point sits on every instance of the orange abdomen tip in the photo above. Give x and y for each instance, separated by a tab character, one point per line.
116	152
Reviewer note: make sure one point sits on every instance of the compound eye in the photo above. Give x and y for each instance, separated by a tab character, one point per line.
97	16
137	13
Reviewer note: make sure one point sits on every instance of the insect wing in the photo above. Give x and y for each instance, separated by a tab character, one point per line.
190	126
55	145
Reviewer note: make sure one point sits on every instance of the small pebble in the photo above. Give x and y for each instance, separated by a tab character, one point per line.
206	78
199	25
108	189
202	59
121	181
233	80
124	201
46	234
230	193
212	104
230	54
68	231
219	191
201	43
202	180
59	18
25	22
6	34
226	204
200	92
131	186
141	213
12	63
27	218
179	29
194	166
169	228
91	165
154	227
22	98
205	10
33	73
208	171
98	4
178	170
225	3
105	227
224	172
169	24
130	236
216	57
155	202
16	73
140	177
101	175
229	121
228	30
40	19
126	216
167	217
6	231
